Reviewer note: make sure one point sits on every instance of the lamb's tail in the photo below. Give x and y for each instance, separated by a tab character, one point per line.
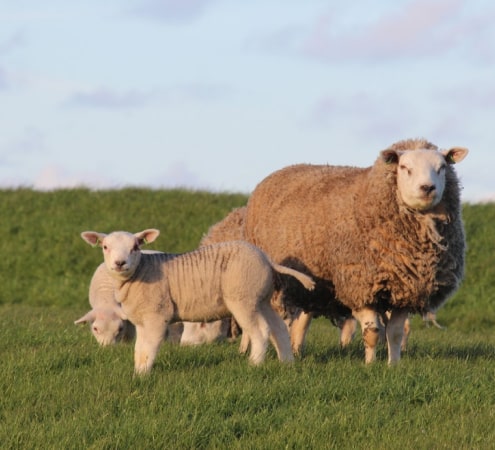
304	279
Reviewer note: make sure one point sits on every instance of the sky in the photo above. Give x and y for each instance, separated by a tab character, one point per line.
217	94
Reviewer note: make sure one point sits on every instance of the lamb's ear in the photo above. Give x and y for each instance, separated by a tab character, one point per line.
390	156
93	238
147	236
90	316
455	155
118	310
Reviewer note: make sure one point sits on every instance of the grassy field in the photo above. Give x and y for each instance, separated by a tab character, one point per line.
60	390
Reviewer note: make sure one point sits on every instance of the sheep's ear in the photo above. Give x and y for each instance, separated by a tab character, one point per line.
147	236
455	155
93	238
390	156
88	317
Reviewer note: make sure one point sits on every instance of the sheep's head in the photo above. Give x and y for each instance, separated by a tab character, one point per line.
107	324
421	174
121	250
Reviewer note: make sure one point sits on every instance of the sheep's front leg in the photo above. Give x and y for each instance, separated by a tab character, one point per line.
395	333
370	328
148	340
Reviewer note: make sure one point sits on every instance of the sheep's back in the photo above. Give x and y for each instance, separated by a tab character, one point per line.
228	229
296	211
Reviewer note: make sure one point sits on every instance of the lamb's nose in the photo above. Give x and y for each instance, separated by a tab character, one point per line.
119	263
427	188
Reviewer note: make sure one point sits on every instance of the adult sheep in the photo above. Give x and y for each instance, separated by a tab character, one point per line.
383	238
215	281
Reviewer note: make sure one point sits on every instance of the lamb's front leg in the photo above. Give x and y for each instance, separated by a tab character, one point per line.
149	336
395	333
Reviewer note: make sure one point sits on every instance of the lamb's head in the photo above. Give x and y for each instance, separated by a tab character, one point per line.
421	174
121	249
107	324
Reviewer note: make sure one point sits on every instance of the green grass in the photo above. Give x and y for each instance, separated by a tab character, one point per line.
60	390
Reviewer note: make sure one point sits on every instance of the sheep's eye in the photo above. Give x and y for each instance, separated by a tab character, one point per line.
105	247
405	169
442	167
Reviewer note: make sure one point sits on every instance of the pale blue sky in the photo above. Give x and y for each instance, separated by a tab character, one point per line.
217	94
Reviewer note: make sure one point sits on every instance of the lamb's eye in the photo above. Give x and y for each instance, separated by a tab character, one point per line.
405	169
105	247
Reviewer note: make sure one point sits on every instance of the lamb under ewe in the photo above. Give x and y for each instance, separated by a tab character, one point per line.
106	319
215	281
196	333
388	237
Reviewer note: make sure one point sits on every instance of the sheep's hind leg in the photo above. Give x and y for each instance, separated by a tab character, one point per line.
395	333
370	328
148	340
279	333
298	330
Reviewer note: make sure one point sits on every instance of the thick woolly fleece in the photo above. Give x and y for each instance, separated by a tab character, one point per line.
348	228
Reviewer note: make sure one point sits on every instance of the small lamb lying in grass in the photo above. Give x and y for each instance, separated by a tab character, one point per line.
233	278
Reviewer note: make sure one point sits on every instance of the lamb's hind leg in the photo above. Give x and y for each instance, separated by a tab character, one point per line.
279	333
370	328
254	326
395	333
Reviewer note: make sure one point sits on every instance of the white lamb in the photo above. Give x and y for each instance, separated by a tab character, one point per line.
234	278
108	325
106	318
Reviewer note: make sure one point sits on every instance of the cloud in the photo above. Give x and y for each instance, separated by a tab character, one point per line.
109	99
475	97
420	28
14	41
372	117
32	141
411	29
55	177
172	10
178	174
106	98
4	83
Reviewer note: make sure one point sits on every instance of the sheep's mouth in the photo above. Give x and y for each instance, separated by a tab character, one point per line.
426	202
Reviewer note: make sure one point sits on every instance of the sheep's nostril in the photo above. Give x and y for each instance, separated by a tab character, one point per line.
119	263
427	188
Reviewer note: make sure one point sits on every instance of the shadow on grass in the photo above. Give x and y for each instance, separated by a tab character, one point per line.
469	352
445	351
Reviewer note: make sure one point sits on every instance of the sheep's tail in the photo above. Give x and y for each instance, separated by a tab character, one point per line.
304	279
